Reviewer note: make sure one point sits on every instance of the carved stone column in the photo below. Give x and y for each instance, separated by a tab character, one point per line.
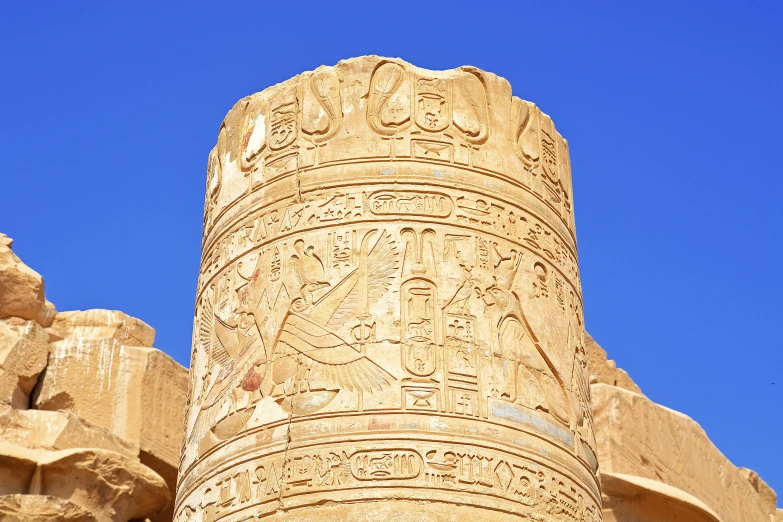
389	318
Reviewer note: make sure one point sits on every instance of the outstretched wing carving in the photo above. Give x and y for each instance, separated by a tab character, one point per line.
313	332
210	344
338	361
381	265
233	354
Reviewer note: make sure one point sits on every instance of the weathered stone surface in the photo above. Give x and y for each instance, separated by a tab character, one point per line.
24	351
604	370
103	324
135	393
17	467
651	446
42	508
98	380
766	495
389	307
109	486
165	388
21	288
630	498
57	430
97	383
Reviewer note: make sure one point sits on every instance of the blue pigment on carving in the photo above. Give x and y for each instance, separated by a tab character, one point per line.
508	412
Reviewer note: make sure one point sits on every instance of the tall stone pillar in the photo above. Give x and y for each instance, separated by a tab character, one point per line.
388	323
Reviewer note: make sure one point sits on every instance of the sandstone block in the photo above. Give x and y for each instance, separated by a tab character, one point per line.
658	447
21	288
17	467
135	393
42	508
104	324
24	351
766	494
628	498
604	370
109	486
98	380
57	430
165	387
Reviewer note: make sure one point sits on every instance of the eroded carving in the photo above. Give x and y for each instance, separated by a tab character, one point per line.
381	312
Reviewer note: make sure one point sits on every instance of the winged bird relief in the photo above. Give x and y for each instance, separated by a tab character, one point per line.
311	360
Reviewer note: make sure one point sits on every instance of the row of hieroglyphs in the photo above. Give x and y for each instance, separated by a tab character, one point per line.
456	333
256	486
478	213
443	118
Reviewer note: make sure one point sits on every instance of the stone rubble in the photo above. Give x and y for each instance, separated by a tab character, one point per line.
90	412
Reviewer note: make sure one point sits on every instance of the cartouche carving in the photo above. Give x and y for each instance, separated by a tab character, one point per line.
322	120
388	305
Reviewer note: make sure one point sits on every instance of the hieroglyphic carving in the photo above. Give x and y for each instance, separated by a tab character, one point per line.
536	490
282	124
310	344
398	98
386	308
419	322
343	207
214	183
311	110
322	121
409	203
543	153
388	106
386	465
432	103
471	113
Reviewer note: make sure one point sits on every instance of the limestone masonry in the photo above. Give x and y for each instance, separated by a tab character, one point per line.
388	326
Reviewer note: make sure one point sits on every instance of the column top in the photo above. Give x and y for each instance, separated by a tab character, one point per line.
381	111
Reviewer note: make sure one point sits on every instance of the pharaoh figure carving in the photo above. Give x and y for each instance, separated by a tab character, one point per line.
388	321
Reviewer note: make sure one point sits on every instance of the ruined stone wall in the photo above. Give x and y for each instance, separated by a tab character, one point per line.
389	313
90	413
658	464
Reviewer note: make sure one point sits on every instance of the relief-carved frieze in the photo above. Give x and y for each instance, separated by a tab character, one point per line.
391	110
257	486
366	332
337	208
292	328
400	99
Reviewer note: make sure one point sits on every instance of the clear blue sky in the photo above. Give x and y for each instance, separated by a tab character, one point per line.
672	112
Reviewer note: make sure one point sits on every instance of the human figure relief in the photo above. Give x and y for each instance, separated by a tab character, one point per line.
236	351
530	378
